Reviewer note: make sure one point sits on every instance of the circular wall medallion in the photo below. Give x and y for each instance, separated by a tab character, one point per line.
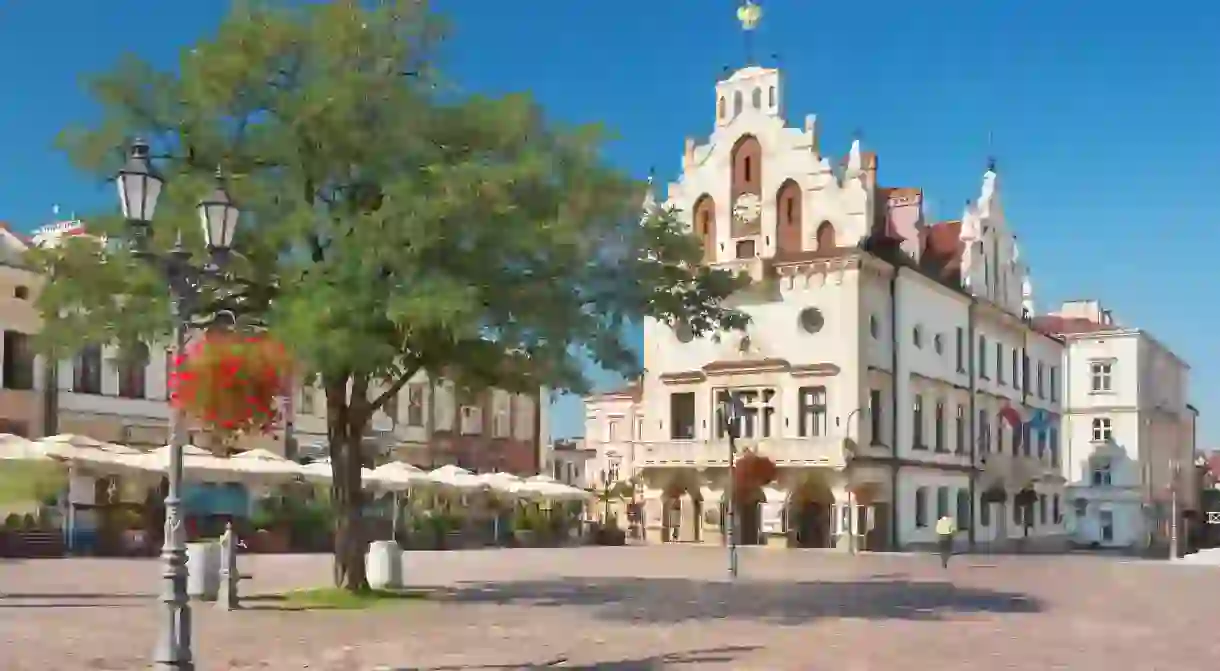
684	332
811	320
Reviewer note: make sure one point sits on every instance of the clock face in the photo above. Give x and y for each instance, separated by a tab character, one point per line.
747	207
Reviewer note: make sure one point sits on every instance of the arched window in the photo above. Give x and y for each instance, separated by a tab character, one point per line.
921	507
736	103
771	97
756	98
826	236
720	108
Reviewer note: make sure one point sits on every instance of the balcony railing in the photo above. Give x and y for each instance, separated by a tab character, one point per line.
822	451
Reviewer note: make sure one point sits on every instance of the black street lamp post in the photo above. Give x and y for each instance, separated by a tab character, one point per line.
139	187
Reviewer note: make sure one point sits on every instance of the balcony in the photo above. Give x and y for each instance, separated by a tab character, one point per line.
825	452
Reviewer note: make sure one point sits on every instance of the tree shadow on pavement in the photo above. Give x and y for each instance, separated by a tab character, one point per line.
720	655
671	600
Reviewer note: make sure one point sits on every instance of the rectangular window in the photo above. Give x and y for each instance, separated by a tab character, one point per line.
1042	509
999	362
1101	376
811	417
87	371
307	400
612	431
984	514
1016	369
745	249
961	355
1018	512
983	357
415	404
1056	518
939	427
1101	474
1054	447
963	509
132	377
874	416
1054	383
999	436
917	424
984	433
921	507
18	370
682	416
1025	369
959	442
1103	431
942	502
1040	387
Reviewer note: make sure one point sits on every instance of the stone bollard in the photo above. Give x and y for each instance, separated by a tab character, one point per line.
229	575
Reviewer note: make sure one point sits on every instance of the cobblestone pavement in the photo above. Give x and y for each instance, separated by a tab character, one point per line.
644	608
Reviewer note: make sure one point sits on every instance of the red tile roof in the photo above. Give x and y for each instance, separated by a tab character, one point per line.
1059	325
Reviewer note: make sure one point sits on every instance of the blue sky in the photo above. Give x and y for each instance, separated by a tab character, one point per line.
1105	117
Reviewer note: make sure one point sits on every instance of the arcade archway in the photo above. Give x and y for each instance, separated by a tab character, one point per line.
682	509
810	513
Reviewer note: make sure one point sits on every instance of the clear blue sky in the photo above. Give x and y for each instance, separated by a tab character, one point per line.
1105	116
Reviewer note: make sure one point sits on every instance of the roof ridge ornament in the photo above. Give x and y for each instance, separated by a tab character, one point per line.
749	13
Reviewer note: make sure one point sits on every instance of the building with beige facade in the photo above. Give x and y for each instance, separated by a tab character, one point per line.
430	423
891	370
1128	428
123	399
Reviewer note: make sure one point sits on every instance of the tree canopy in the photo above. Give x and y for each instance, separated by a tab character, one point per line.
389	224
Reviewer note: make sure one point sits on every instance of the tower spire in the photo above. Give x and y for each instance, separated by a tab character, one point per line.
749	13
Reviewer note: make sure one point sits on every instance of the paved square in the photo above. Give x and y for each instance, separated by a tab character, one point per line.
644	608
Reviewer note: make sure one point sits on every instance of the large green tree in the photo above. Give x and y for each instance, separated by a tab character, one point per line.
390	225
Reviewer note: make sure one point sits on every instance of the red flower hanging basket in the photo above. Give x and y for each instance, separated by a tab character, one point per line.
230	382
753	471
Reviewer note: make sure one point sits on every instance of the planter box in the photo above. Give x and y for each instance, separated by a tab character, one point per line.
269	541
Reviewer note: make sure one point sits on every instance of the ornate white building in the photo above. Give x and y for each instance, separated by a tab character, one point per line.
887	367
1127	422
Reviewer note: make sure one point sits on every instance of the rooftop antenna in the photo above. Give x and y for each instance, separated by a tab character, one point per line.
749	13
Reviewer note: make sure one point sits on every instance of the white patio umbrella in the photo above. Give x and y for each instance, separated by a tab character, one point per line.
197	464
550	488
76	450
397	477
263	465
457	478
16	448
502	482
320	472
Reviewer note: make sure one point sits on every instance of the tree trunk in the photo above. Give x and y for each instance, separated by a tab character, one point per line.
347	496
348	500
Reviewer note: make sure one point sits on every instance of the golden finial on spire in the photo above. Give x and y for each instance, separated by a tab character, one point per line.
749	13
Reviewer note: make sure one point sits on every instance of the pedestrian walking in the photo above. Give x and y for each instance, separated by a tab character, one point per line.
946	527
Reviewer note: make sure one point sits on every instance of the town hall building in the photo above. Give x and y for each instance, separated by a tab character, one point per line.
890	370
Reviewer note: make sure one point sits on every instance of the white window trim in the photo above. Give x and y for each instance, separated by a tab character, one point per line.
1107	375
1101	430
